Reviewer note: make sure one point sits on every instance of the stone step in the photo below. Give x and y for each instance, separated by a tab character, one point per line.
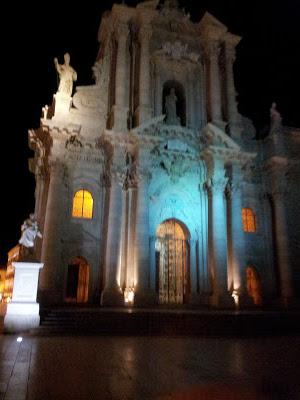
165	322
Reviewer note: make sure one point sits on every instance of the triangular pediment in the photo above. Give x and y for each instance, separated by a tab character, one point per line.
214	136
210	23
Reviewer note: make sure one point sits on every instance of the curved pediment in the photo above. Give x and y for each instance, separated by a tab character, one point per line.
88	99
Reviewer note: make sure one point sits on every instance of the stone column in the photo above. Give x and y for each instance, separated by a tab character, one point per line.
232	110
130	278
281	234
144	109
112	294
143	293
194	297
51	279
212	53
237	238
218	245
120	109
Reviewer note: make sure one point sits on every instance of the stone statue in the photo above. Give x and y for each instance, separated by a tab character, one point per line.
67	75
254	285
170	104
29	232
275	119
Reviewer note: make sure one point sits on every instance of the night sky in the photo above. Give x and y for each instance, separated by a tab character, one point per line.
267	69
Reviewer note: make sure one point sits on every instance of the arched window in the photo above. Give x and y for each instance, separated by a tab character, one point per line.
83	204
248	218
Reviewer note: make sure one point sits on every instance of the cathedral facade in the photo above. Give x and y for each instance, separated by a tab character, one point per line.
150	187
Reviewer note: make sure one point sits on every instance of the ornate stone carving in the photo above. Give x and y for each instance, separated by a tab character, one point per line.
73	142
175	164
88	99
177	51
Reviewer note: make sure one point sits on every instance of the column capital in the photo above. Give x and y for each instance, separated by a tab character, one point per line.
145	33
121	31
212	49
216	184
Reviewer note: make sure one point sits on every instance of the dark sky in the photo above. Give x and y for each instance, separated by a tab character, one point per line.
267	69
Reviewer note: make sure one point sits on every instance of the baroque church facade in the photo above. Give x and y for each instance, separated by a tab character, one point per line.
150	187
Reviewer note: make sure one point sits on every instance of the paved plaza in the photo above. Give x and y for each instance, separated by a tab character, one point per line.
142	368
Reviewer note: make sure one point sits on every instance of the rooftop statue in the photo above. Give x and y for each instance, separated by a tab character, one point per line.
29	232
67	75
275	119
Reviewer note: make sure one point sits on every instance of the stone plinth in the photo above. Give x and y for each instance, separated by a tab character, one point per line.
23	311
62	105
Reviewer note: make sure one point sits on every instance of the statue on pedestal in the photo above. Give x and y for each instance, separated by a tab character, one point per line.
29	232
67	75
170	104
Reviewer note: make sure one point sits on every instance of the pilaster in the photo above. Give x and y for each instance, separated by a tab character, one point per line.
212	51
234	118
120	109
144	111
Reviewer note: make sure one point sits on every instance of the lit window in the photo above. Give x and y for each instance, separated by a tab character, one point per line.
248	218
83	205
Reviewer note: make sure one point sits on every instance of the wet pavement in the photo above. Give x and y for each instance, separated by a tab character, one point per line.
144	368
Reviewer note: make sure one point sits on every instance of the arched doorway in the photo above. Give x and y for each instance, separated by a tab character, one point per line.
172	262
77	284
180	102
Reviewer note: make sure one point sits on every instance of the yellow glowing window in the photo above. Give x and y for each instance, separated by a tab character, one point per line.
83	205
248	218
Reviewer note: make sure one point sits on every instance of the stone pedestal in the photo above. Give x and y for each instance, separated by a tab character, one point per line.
62	105
23	311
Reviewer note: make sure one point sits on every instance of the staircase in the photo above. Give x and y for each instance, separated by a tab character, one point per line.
106	321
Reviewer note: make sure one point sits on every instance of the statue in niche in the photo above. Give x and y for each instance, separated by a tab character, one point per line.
254	285
67	75
29	232
170	105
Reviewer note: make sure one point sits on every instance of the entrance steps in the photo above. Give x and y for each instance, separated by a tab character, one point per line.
165	322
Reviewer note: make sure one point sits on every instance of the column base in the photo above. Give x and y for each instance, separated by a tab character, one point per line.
20	317
145	298
224	300
112	297
120	117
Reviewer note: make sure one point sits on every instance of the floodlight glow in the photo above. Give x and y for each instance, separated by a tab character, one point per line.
19	339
